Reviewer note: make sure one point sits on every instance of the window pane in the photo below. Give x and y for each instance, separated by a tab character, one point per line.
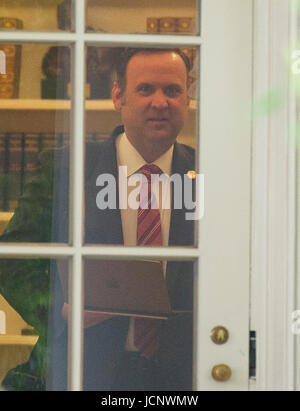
32	328
129	126
36	15
34	138
143	16
125	300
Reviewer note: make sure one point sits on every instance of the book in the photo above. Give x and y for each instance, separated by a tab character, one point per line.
169	25
9	82
10	23
184	25
152	25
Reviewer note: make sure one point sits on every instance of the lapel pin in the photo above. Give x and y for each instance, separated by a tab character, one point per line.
191	174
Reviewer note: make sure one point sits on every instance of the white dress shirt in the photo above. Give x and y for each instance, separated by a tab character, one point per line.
128	156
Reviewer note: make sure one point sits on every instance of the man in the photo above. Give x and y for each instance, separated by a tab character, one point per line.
151	94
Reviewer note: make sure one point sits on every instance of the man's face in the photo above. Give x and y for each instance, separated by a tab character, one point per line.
155	101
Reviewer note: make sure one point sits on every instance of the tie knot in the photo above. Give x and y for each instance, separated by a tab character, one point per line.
149	169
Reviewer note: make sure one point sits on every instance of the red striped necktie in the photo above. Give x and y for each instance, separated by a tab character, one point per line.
149	224
146	331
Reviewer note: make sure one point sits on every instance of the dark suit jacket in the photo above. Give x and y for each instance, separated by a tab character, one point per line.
104	343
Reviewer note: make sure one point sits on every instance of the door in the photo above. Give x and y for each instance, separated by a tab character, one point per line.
225	161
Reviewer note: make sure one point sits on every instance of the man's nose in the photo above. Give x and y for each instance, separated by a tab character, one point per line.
159	100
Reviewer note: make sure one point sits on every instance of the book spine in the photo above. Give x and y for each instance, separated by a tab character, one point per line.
184	25
10	23
9	82
152	25
168	25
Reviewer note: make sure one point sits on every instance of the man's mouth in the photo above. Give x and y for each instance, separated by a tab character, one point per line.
158	119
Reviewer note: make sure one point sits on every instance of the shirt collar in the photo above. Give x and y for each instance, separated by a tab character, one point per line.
128	156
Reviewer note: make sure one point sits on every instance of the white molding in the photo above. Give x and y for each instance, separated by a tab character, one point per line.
273	200
105	39
295	113
53	250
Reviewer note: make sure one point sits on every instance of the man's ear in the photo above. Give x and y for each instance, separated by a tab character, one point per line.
116	95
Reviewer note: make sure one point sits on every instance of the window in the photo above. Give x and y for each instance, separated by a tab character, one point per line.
72	108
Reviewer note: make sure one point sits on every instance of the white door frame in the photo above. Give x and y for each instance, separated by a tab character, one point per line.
273	275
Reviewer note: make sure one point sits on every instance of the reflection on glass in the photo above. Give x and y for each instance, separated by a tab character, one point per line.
31	325
139	315
36	15
142	16
156	104
33	137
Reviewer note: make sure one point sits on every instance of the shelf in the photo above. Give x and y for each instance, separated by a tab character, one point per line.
27	340
54	105
58	105
53	116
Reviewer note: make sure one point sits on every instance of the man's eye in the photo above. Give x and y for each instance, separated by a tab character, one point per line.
145	89
173	91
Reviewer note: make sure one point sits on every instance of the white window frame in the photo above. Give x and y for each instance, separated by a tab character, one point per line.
76	251
274	200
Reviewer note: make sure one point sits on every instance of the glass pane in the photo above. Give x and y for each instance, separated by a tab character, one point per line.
124	302
34	138
36	15
134	115
33	342
143	16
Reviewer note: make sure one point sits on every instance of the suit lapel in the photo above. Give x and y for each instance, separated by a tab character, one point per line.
181	231
180	228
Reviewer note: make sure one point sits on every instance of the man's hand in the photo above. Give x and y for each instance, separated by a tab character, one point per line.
90	318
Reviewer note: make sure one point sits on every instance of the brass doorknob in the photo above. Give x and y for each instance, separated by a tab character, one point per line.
221	372
219	335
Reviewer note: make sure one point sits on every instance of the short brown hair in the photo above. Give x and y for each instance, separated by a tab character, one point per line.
127	53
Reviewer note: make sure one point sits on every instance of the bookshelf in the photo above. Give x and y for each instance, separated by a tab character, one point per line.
48	116
35	104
